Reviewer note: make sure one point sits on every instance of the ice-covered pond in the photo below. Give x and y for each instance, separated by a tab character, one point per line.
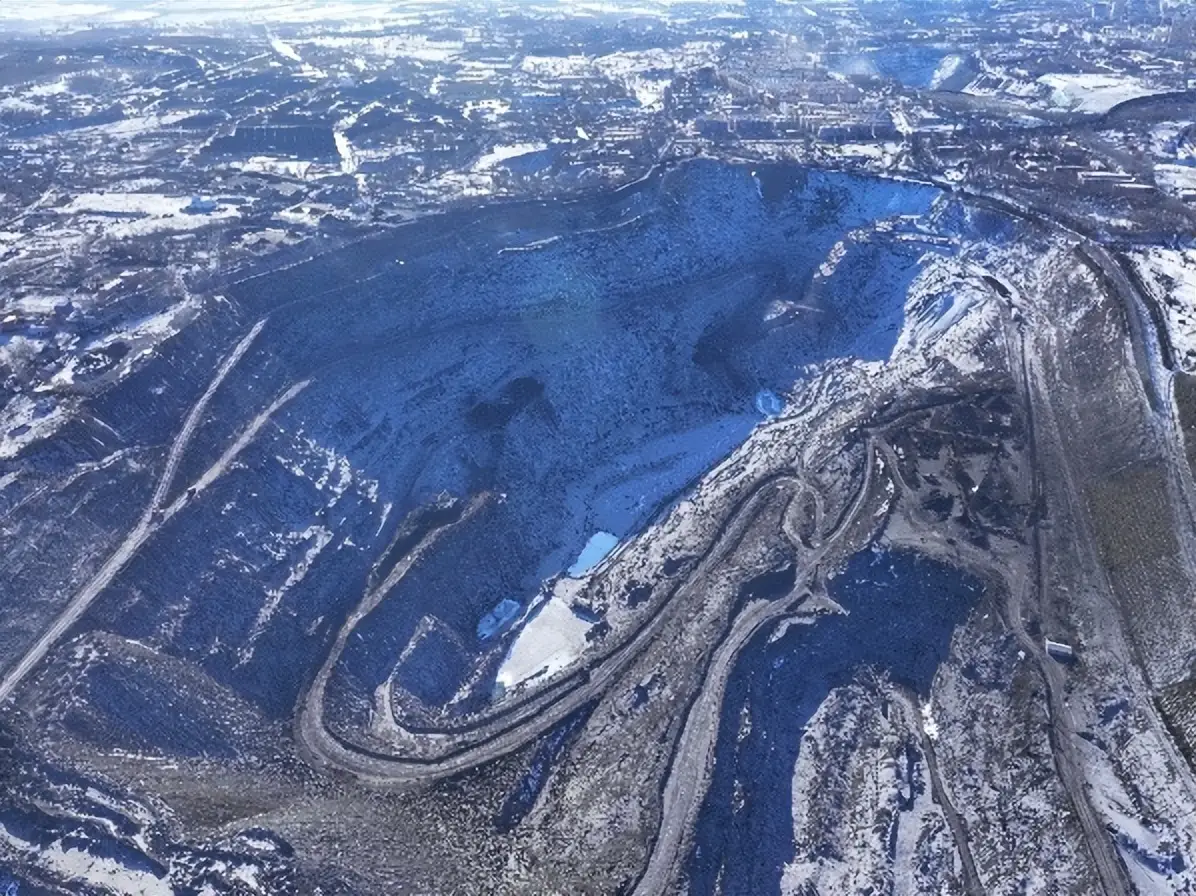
596	550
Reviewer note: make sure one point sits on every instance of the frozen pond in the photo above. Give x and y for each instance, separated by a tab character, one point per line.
595	551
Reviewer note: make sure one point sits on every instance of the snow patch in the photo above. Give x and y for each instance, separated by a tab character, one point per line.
82	868
948	68
550	642
500	154
1169	276
1093	93
25	420
930	727
285	50
121	215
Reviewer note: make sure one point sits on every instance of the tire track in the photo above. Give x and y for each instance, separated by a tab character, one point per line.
151	519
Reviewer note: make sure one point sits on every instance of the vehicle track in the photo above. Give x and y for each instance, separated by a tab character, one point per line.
195	416
972	884
1113	876
1149	357
151	519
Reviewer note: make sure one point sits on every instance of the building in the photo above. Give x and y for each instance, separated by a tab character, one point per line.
201	206
1059	650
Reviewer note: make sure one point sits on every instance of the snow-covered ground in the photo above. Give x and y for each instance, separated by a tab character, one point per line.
1170	277
82	13
393	46
500	154
120	215
25	420
95	872
358	14
151	329
1093	93
950	67
617	496
285	50
127	128
1175	179
297	168
550	642
939	299
67	10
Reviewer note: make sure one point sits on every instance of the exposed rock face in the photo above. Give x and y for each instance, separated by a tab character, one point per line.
556	357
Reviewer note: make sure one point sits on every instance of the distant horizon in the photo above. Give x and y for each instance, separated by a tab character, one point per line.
54	15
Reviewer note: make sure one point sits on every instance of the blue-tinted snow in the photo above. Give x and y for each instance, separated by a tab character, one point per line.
587	381
642	344
620	496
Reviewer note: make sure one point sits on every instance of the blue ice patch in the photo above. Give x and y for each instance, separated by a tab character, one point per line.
497	618
768	403
595	551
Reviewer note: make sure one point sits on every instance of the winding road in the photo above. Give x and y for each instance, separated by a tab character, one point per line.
420	756
426	756
512	726
693	759
971	877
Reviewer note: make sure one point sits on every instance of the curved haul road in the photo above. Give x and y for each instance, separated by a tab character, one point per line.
690	766
514	727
